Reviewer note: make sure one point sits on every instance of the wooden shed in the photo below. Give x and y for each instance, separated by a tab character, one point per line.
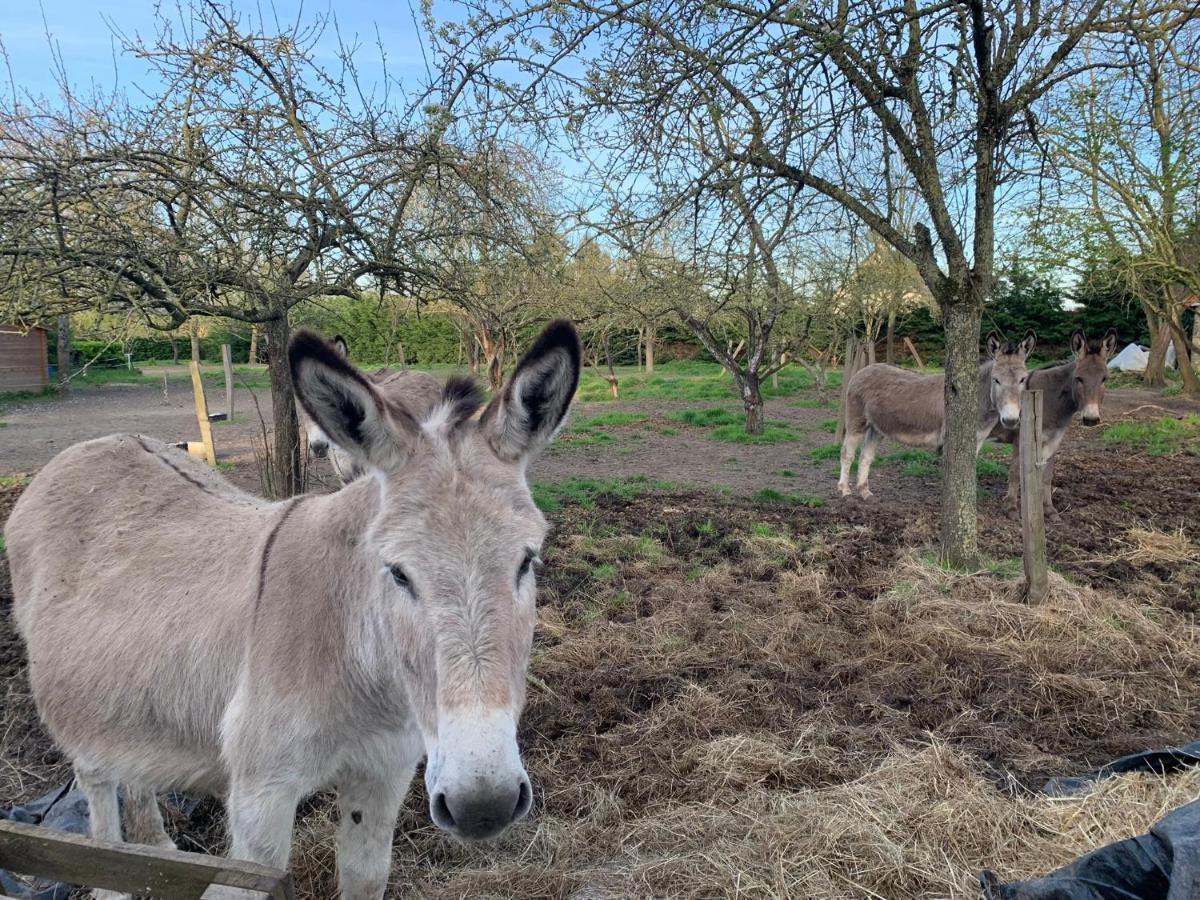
23	363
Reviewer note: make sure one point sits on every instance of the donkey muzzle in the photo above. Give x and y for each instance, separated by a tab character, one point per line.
476	783
319	449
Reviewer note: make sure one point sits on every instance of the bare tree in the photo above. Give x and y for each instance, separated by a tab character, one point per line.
835	98
257	181
1128	146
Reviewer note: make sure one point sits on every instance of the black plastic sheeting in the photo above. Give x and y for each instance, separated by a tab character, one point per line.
66	810
1161	865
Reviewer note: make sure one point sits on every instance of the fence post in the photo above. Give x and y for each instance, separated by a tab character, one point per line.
227	359
847	372
210	452
1033	522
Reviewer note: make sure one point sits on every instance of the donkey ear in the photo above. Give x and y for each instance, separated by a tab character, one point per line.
1079	343
346	406
1028	342
994	343
339	344
525	416
1109	345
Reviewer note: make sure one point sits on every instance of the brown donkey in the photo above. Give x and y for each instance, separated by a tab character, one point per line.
183	633
887	401
1076	386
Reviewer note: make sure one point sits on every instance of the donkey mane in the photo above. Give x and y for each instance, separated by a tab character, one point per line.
461	399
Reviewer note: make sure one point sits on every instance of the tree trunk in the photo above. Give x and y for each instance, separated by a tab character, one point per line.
493	352
1156	366
252	357
285	455
651	337
1187	371
890	357
175	351
1196	333
195	346
961	320
64	354
752	400
474	357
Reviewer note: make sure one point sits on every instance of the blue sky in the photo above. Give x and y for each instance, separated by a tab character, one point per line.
80	30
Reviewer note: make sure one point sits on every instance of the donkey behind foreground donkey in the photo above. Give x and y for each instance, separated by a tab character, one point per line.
267	650
887	401
414	391
1076	386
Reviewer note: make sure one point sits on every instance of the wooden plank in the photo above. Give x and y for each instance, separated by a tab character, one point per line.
915	355
1033	521
132	868
210	452
227	359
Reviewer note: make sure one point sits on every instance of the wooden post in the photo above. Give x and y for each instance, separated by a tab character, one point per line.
227	359
1033	522
131	868
915	355
210	452
847	374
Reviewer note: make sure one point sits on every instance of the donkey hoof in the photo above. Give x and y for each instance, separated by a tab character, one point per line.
844	490
865	493
1051	515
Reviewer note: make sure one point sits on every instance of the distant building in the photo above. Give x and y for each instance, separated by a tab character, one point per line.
23	363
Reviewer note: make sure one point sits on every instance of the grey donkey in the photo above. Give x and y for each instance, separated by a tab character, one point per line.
1075	387
415	391
263	651
887	401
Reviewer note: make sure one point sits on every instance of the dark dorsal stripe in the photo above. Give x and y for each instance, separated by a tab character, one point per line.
268	544
170	465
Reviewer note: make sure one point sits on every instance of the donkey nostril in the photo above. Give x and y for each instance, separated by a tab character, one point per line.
524	800
441	809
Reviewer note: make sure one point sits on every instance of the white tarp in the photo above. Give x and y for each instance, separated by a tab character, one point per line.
1134	358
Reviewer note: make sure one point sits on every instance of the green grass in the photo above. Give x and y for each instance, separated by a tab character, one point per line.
772	433
551	496
1159	437
788	473
986	467
95	377
706	418
829	425
13	480
688	380
826	452
770	495
609	420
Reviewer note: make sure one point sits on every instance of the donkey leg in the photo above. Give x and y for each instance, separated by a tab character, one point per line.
849	448
369	805
143	818
870	445
262	813
104	814
1048	492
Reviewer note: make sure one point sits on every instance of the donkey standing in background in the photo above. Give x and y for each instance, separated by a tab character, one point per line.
1076	386
887	401
416	392
267	650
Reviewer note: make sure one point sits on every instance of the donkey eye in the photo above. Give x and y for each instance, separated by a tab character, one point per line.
531	559
399	576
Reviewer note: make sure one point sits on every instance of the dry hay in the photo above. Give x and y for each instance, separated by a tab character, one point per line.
753	729
1146	546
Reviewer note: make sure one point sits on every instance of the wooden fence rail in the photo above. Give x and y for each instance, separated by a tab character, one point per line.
131	868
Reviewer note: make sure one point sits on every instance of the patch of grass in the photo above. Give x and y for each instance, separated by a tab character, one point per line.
14	480
550	496
609	420
604	572
706	418
986	467
826	452
1158	437
829	425
668	432
917	463
707	528
770	495
772	433
225	467
766	530
94	377
787	473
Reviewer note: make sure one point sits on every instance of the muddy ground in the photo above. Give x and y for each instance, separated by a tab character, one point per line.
699	650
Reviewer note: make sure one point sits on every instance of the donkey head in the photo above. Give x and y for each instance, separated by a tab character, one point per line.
1008	375
1091	371
454	542
318	440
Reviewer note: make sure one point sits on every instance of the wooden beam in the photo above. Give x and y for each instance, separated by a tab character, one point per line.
210	452
1033	521
227	359
131	868
915	355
